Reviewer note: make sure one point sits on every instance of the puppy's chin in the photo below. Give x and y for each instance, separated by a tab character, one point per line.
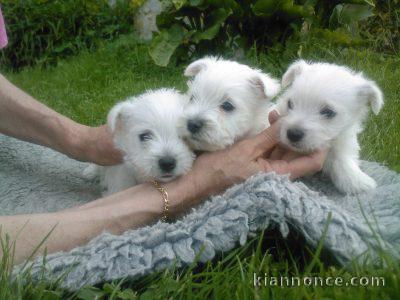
166	178
200	145
300	147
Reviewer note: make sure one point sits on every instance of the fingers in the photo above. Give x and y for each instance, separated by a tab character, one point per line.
290	155
270	135
306	165
277	166
282	153
277	153
265	140
273	116
297	167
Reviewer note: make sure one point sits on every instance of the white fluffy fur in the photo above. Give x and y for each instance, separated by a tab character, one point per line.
216	81
158	113
313	87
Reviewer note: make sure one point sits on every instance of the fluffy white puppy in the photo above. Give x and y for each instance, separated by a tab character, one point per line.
145	129
227	102
324	107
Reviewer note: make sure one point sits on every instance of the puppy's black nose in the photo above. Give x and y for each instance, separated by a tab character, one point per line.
167	163
295	134
194	125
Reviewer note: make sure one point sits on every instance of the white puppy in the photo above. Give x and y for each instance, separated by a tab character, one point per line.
145	129
324	107
228	102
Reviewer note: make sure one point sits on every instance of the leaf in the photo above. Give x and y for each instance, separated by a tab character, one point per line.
216	19
171	285
265	8
165	20
51	295
126	294
355	13
149	294
178	3
108	288
90	293
296	11
334	18
164	44
349	13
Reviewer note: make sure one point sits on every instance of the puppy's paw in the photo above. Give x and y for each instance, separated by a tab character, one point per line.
90	172
366	183
348	178
354	183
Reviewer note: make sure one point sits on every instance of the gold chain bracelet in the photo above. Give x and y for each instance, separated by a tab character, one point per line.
164	195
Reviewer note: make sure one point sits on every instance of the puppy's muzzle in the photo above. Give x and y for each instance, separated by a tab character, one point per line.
194	125
167	164
295	135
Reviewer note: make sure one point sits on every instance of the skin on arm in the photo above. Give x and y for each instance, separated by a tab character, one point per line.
211	174
22	117
132	208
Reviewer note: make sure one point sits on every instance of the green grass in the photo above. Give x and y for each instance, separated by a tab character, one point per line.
85	87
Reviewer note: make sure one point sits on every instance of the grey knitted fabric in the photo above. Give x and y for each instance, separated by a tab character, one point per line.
36	179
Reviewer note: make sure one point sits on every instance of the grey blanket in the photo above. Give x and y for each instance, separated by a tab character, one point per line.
36	179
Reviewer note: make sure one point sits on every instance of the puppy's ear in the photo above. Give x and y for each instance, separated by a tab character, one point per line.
371	94
195	67
264	86
114	117
292	72
117	117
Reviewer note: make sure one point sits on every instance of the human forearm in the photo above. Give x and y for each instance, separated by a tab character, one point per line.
132	208
57	231
23	117
77	227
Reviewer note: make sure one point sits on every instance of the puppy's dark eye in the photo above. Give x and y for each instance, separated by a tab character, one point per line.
328	113
145	136
191	98
227	106
290	104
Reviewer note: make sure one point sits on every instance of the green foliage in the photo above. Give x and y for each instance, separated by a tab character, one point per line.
383	29
44	31
214	26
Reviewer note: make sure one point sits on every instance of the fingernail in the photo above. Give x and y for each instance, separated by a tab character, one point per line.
273	116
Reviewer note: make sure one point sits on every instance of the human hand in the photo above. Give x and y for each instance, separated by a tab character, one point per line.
214	172
95	144
284	161
296	164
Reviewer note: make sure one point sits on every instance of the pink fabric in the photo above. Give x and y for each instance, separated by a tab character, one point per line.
3	33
